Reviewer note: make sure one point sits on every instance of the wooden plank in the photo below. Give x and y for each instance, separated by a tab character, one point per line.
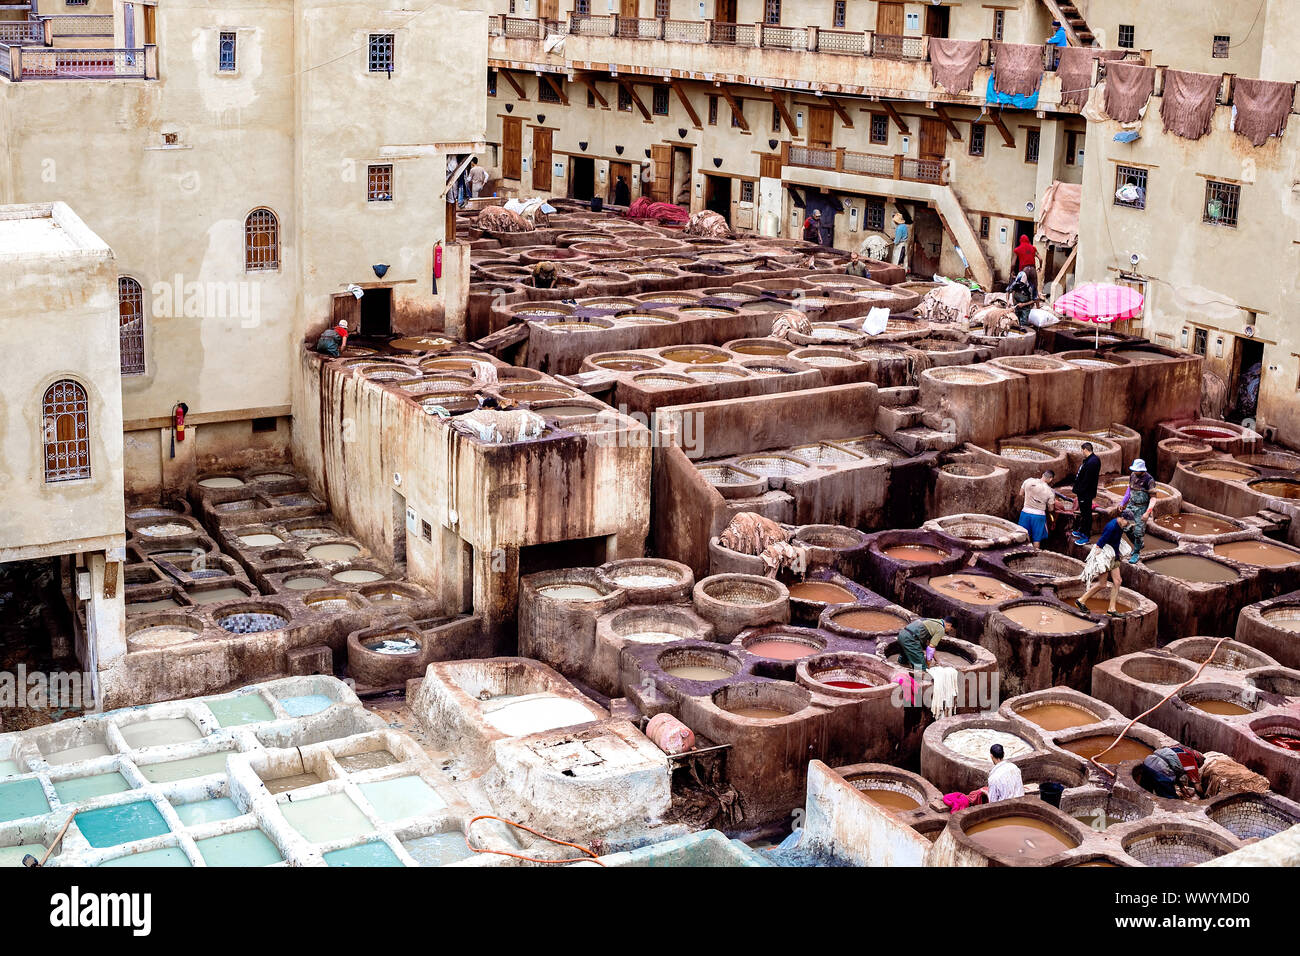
686	104
1007	138
519	90
631	91
590	84
736	110
778	98
893	114
559	90
845	118
947	121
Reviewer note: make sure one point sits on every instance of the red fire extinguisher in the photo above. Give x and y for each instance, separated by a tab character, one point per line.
437	260
179	411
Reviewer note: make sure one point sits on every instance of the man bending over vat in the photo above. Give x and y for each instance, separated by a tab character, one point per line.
1103	562
1005	781
919	639
1040	498
1173	772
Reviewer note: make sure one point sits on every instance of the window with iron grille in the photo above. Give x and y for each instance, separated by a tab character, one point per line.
746	191
1199	341
984	227
659	101
874	215
130	310
379	183
512	7
1131	187
840	13
65	419
1032	139
1221	202
546	93
582	7
381	53
879	129
624	100
737	112
492	83
976	145
1219	49
662	9
226	53
772	12
261	241
713	111
1127	36
999	25
75	3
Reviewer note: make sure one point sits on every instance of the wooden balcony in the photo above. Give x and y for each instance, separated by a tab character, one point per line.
841	160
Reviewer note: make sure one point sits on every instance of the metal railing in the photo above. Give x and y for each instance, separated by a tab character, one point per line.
81	25
56	64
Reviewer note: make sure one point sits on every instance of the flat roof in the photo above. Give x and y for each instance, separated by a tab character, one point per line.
46	229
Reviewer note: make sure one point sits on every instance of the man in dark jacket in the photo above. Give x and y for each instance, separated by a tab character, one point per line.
1085	489
812	228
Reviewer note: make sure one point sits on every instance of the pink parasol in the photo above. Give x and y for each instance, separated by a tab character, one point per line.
1100	302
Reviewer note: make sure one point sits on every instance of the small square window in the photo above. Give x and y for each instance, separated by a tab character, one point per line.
659	106
1032	138
879	129
840	13
661	9
426	531
1219	49
624	100
379	183
381	53
874	215
984	227
999	25
1131	187
1221	202
772	12
776	119
1127	36
737	113
746	191
546	92
1199	341
713	111
226	53
264	425
976	145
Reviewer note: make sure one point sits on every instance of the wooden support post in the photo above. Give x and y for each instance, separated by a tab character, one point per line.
559	90
590	84
686	104
519	90
631	91
845	118
1008	140
778	98
736	110
942	113
893	114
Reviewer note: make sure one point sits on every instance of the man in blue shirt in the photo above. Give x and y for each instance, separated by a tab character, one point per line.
902	232
1058	37
1103	563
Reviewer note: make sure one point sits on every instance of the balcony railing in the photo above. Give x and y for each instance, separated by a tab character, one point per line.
18	32
81	25
898	47
46	63
842	160
687	31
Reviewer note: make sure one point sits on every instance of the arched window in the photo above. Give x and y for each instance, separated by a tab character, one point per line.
65	418
261	241
130	310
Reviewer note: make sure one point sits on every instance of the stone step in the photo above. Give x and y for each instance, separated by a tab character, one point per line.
890	420
918	439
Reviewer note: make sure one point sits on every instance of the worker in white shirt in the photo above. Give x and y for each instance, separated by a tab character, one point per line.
1005	781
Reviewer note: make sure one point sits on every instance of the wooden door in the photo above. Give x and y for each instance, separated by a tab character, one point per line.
150	25
615	171
936	21
724	11
627	8
549	9
512	147
889	19
541	158
662	156
821	126
769	165
934	139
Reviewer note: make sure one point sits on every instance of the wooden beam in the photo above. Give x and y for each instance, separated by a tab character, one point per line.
779	99
1007	138
947	121
631	91
519	90
893	114
559	90
686	104
590	84
736	109
845	118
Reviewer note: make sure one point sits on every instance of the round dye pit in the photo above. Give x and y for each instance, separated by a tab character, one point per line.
843	672
1157	670
773	466
689	356
261	539
1187	523
1259	554
627	363
974	743
1193	569
221	481
744	590
305	582
762	701
698	664
1175	845
663	380
869	621
977	589
1251	818
1054	715
536	393
782	649
166	529
821	592
1047	619
1118	488
916	553
1277	488
773	350
1021	837
163	635
571	592
336	551
1225	472
1220	708
726	475
357	576
1126	749
1286	617
251	622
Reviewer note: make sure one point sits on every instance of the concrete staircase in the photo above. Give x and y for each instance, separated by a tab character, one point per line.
898	418
1076	27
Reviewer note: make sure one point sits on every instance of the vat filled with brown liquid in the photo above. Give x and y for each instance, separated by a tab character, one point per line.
1221	708
690	356
1192	568
1021	837
976	589
872	622
916	552
1100	603
1057	716
1278	489
1126	749
782	650
1259	554
890	799
1044	619
697	672
822	591
1187	523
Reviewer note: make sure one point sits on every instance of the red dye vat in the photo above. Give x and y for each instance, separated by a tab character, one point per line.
1285	741
847	684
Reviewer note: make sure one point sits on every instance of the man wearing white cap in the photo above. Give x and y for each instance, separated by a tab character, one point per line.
812	227
1138	503
333	341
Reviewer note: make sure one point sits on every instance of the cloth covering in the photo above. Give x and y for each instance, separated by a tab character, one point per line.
643	208
1187	107
948	302
1221	774
499	219
943	697
1017	68
1128	87
750	533
1059	220
708	224
953	63
791	320
501	427
1261	108
1075	71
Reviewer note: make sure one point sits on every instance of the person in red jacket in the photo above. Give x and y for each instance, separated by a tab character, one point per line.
1027	259
812	228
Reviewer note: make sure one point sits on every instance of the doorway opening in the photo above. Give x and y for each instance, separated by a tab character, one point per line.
927	242
936	22
1247	371
578	553
399	528
717	195
681	182
377	312
620	184
582	178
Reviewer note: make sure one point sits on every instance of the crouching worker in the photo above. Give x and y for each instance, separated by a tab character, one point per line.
1173	772
919	639
333	341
